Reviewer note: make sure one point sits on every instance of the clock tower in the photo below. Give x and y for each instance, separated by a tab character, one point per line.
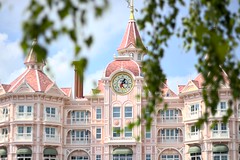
123	83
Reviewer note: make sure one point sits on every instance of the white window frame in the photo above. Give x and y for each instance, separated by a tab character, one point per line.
169	114
171	157
51	109
98	113
127	132
116	132
50	132
79	135
116	114
5	111
220	155
79	158
98	157
148	134
128	113
148	156
98	133
79	116
24	110
24	130
194	108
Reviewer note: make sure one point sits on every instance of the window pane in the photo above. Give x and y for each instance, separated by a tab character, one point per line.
21	109
53	110
116	112
116	131
98	113
20	129
29	129
29	108
128	111
48	110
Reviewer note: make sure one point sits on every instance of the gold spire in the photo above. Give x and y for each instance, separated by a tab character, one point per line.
131	10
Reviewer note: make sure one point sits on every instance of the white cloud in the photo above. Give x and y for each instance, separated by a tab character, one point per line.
91	80
60	68
11	58
174	81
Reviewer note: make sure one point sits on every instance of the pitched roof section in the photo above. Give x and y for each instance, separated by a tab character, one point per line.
131	36
67	91
36	79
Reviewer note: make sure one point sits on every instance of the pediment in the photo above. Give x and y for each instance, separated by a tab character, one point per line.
190	87
23	87
54	90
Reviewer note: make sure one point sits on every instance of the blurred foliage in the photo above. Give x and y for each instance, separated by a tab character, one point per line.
50	19
211	28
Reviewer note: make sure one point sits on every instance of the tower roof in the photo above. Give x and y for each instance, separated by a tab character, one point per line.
131	35
32	59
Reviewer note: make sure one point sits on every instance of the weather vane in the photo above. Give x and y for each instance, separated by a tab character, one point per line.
130	5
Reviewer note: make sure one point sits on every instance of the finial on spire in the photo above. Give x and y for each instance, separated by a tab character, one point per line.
131	9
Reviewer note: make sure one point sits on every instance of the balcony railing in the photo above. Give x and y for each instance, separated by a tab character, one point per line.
193	115
51	138
3	138
169	119
24	116
220	133
193	136
4	117
51	118
78	121
78	140
170	139
23	137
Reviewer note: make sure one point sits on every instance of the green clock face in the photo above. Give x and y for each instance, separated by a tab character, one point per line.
122	83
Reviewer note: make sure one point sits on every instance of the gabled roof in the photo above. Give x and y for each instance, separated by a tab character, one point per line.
167	92
67	91
36	79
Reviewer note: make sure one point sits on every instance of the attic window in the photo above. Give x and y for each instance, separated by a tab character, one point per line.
167	95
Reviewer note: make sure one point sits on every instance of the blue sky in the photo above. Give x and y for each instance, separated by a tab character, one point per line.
108	32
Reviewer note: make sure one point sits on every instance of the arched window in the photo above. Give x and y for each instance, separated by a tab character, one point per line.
220	152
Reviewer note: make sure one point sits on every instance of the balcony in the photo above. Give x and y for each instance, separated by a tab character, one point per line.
51	138
220	113
3	138
193	115
193	136
4	118
220	134
78	140
169	119
170	139
24	116
23	137
78	121
51	118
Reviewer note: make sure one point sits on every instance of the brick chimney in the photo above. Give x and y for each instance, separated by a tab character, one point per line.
78	89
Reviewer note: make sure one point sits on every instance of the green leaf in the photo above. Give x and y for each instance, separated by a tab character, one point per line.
88	41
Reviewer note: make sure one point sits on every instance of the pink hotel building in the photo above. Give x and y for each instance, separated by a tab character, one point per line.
40	121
